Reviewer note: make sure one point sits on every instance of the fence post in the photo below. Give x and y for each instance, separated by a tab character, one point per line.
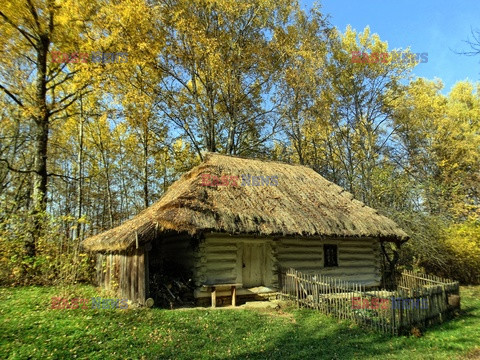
296	289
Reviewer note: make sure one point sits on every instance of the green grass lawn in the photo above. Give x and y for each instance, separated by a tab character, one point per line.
29	329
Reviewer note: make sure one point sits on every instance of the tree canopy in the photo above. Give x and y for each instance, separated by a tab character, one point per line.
86	144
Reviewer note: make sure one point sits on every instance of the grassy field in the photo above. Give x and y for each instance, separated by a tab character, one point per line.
29	329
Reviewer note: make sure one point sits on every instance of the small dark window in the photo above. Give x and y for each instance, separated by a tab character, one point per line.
330	255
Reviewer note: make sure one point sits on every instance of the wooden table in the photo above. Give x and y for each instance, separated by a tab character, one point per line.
213	288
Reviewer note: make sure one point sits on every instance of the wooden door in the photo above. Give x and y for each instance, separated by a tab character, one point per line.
253	262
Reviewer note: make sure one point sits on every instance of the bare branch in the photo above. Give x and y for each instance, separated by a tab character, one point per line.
12	96
34	14
11	168
27	36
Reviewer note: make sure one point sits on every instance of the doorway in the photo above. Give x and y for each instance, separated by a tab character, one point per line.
253	264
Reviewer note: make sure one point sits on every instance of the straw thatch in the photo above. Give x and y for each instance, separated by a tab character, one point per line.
303	204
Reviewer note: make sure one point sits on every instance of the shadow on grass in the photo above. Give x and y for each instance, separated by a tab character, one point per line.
322	341
467	315
346	341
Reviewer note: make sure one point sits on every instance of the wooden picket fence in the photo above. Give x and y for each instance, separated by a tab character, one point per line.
419	300
409	281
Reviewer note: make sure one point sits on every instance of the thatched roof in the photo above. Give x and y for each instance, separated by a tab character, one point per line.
303	204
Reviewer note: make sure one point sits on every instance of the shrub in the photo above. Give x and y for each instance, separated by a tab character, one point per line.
57	259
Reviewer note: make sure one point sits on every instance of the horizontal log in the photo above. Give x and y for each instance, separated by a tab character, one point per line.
300	243
309	269
345	252
300	257
356	262
212	279
370	266
352	269
304	242
354	251
298	250
214	255
230	256
220	249
238	239
221	263
370	255
343	242
220	241
355	245
296	264
218	267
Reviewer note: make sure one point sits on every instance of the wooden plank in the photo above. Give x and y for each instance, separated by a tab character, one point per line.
214	297
234	296
141	276
239	263
116	260
220	285
129	278
147	273
123	276
253	259
429	280
296	289
107	272
99	270
135	275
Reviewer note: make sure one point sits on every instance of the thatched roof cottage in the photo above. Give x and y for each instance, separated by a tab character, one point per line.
262	217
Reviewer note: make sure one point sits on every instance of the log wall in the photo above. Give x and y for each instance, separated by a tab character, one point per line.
359	259
219	259
216	261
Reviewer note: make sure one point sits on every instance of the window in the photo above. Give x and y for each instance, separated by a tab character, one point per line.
330	255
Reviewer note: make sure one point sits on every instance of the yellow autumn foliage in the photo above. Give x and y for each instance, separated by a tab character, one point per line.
463	240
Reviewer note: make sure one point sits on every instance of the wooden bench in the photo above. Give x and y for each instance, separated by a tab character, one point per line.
213	288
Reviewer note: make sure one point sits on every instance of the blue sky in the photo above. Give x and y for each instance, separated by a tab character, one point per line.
436	27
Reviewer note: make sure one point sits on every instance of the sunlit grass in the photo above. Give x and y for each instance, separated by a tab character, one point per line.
30	329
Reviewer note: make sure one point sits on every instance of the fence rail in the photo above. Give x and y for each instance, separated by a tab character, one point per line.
419	300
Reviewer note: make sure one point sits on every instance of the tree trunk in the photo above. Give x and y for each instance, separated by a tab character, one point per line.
109	198
78	232
145	168
41	120
389	276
